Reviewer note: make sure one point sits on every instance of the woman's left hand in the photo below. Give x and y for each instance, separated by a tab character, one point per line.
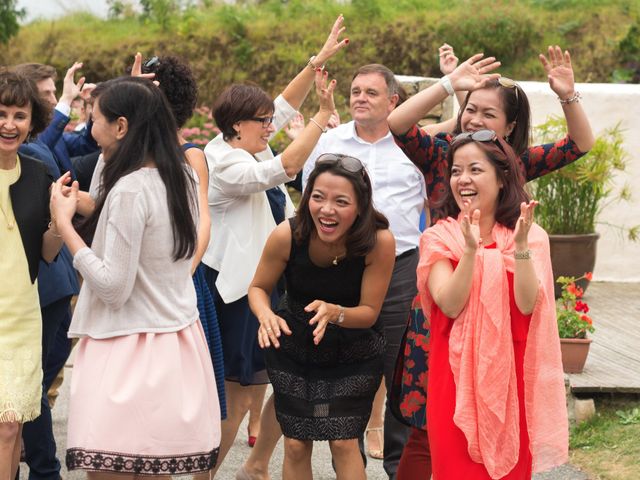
333	44
325	312
559	72
64	200
523	225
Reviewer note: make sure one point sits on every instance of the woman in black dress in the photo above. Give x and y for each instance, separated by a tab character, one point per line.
337	256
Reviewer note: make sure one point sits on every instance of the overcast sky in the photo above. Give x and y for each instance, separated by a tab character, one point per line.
55	8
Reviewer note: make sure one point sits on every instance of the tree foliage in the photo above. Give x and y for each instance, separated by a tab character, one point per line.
9	16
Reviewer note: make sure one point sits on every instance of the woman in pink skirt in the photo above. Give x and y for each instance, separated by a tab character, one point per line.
143	394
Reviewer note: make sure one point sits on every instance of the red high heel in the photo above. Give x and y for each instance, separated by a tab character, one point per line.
251	440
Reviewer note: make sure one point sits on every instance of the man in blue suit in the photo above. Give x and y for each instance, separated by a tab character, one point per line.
58	281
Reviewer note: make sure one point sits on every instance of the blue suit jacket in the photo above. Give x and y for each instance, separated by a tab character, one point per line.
67	145
57	279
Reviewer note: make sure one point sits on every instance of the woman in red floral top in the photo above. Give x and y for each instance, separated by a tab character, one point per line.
493	103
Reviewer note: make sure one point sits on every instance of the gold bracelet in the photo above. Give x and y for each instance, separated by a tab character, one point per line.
49	229
323	130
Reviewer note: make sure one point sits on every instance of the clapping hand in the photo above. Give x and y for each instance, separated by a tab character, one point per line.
70	88
471	228
473	73
295	126
448	59
559	72
521	233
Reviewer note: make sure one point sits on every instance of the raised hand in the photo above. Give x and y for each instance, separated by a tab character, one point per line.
325	312
333	44
334	120
136	68
559	71
71	89
324	90
523	225
448	59
271	327
295	126
471	228
474	73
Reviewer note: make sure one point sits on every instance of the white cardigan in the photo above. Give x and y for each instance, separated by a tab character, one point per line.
241	219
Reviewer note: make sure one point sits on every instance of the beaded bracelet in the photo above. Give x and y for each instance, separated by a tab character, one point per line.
575	98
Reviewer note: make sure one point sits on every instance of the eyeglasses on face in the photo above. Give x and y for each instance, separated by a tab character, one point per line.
266	121
350	164
508	83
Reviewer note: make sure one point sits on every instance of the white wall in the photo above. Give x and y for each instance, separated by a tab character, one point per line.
618	258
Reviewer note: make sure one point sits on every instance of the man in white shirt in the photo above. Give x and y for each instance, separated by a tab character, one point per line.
399	193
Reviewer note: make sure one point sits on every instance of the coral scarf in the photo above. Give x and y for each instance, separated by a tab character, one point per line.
481	353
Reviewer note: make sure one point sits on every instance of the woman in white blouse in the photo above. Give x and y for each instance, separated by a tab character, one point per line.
143	394
247	199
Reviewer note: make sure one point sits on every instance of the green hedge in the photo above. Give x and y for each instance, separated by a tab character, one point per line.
268	42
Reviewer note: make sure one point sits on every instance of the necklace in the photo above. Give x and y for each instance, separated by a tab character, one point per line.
338	258
11	223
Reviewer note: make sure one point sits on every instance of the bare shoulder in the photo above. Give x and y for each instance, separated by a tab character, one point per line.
279	241
385	246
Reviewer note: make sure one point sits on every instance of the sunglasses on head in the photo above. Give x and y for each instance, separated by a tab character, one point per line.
350	164
485	136
508	83
152	62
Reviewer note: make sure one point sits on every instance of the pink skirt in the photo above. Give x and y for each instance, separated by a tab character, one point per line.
144	404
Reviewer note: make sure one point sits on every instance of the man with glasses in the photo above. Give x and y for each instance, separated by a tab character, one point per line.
399	193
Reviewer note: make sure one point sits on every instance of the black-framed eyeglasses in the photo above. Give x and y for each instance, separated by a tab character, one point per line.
266	121
508	83
152	62
350	164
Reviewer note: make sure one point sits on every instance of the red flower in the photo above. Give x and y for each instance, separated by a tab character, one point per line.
422	341
422	380
582	307
588	275
586	319
411	403
407	350
579	292
571	288
409	364
407	379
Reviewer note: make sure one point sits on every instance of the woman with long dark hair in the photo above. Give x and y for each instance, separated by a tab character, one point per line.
324	346
143	394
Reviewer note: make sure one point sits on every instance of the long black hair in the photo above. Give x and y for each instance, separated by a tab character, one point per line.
503	158
151	136
362	236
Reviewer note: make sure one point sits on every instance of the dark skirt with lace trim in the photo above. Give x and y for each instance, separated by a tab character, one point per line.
325	391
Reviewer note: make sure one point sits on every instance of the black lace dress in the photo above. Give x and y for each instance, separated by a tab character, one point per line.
325	391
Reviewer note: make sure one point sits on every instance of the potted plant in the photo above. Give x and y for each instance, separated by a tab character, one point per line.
571	198
573	324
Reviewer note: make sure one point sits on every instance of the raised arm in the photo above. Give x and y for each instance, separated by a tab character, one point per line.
469	75
272	264
299	87
560	74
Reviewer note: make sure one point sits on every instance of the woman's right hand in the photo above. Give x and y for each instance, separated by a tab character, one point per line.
271	327
324	91
471	228
333	44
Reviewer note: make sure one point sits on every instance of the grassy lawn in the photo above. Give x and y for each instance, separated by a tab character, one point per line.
608	446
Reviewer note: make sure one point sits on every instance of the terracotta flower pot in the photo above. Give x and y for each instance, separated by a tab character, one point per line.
572	256
574	353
